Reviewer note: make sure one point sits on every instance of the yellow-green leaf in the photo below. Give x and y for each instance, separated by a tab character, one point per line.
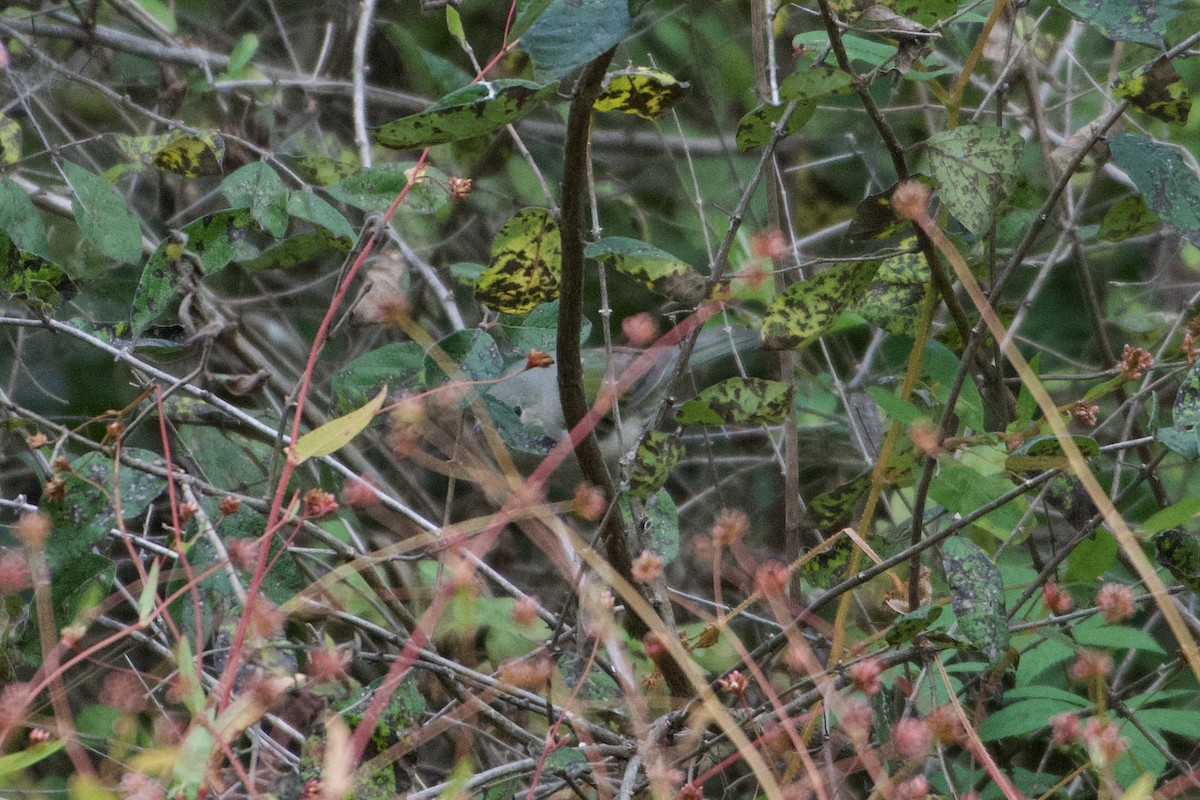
465	113
1156	90
10	140
756	127
893	300
656	457
178	152
335	434
657	270
803	312
738	401
526	264
642	91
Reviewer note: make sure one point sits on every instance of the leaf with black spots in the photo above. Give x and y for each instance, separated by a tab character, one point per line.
758	125
1128	218
908	626
656	458
1156	90
738	401
641	91
464	113
1179	552
215	240
893	300
975	167
831	511
657	270
812	82
977	593
1164	178
526	264
178	152
1142	21
802	313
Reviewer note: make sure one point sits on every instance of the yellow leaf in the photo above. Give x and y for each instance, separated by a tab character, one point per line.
10	140
335	434
647	93
526	263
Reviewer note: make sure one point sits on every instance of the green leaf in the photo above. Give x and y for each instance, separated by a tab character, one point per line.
455	27
662	524
239	57
1024	717
102	215
757	126
526	264
257	186
299	248
975	168
1173	516
305	205
13	764
177	152
87	510
656	458
337	433
803	312
961	489
20	220
1129	218
570	33
908	626
465	113
10	140
641	91
1091	558
375	188
1118	637
1143	21
1164	178
473	351
858	48
738	401
396	364
1156	90
538	330
977	593
1040	453
893	300
657	270
214	239
811	82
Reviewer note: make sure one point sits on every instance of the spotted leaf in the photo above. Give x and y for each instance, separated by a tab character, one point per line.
465	113
641	91
656	457
738	401
177	152
756	127
977	593
893	300
1179	552
813	82
1128	218
657	270
803	312
975	167
258	187
1143	21
526	264
215	240
1156	90
1165	180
